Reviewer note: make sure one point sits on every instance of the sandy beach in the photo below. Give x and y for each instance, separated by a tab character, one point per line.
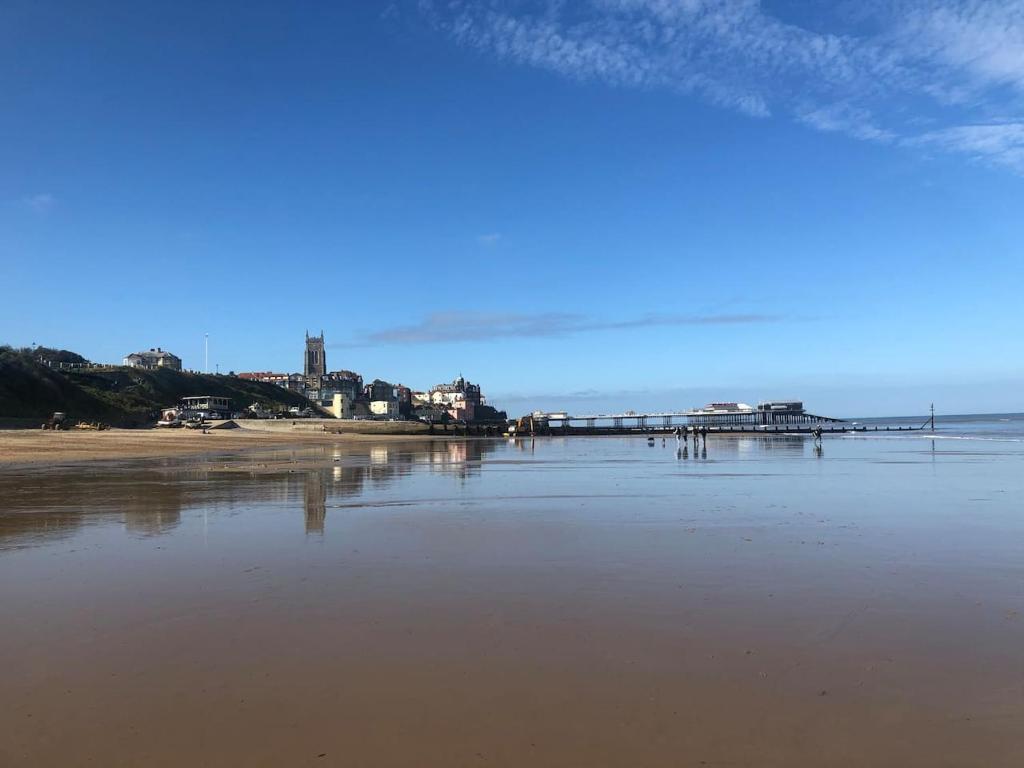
590	601
39	446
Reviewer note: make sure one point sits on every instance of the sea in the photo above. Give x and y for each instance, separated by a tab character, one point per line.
989	426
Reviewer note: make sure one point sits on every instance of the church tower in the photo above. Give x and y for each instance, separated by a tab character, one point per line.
316	360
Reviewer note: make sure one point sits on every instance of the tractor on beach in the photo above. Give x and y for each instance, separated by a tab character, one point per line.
56	422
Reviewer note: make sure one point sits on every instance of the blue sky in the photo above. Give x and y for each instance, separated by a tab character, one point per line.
593	205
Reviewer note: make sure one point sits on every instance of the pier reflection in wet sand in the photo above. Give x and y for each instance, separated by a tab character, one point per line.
542	602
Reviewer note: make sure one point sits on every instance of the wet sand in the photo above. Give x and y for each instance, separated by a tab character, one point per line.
40	446
548	603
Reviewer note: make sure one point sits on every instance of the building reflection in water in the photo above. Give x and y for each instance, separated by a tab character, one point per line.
314	502
43	507
380	466
758	445
151	523
150	501
154	508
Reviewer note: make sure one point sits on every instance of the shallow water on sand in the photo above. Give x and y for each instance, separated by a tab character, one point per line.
583	601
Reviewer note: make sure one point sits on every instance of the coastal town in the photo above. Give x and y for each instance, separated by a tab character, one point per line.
152	388
339	394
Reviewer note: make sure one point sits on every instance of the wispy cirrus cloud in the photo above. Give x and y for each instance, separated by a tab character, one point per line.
489	238
448	327
1004	140
844	118
875	70
976	44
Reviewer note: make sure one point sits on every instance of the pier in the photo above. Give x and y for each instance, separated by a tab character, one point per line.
716	418
648	427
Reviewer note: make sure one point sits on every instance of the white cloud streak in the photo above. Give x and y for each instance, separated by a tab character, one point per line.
455	326
871	69
847	119
981	142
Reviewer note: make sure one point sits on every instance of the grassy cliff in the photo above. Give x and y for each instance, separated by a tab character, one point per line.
118	396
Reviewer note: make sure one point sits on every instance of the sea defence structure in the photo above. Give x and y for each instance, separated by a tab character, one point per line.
767	417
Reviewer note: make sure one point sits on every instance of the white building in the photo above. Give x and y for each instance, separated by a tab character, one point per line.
207	406
458	405
153	360
339	405
384	408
